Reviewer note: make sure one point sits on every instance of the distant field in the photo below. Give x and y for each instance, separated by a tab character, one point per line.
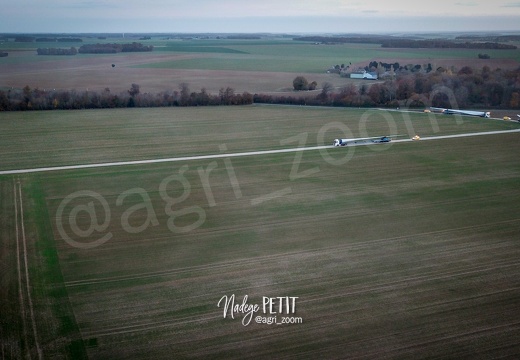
267	65
406	251
291	56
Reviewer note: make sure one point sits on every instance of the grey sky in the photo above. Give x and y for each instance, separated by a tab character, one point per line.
258	16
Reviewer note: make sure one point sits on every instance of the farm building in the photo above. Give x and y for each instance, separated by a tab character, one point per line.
363	75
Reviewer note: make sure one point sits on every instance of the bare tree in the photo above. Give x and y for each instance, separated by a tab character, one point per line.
134	90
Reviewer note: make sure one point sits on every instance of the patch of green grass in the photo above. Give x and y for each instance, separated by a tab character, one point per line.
242	63
292	56
211	49
199	48
47	276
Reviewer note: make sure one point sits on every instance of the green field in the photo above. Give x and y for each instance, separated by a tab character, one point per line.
406	250
57	138
295	56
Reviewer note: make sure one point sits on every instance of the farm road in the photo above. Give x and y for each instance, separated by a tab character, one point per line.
226	155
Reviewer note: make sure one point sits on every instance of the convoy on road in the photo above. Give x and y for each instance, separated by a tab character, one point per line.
366	140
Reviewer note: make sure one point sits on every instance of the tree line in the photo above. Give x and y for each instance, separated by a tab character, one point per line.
37	99
45	39
489	37
96	49
444	44
450	88
26	38
357	39
113	48
56	51
467	87
388	41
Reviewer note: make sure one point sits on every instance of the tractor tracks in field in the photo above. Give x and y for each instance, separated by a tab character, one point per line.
22	266
357	285
354	291
250	261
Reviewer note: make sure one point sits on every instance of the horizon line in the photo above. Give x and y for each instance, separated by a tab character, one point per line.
424	32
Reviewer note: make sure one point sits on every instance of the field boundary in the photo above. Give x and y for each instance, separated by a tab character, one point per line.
18	267
226	155
19	213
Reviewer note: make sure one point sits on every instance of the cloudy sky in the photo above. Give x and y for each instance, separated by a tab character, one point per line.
257	16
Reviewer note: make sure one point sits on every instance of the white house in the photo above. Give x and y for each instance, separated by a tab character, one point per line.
363	75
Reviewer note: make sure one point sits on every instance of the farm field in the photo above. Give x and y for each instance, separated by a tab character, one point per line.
58	138
255	66
403	250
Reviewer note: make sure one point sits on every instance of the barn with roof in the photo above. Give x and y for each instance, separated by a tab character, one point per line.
363	75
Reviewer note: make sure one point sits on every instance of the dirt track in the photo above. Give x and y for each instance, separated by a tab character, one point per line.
218	156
